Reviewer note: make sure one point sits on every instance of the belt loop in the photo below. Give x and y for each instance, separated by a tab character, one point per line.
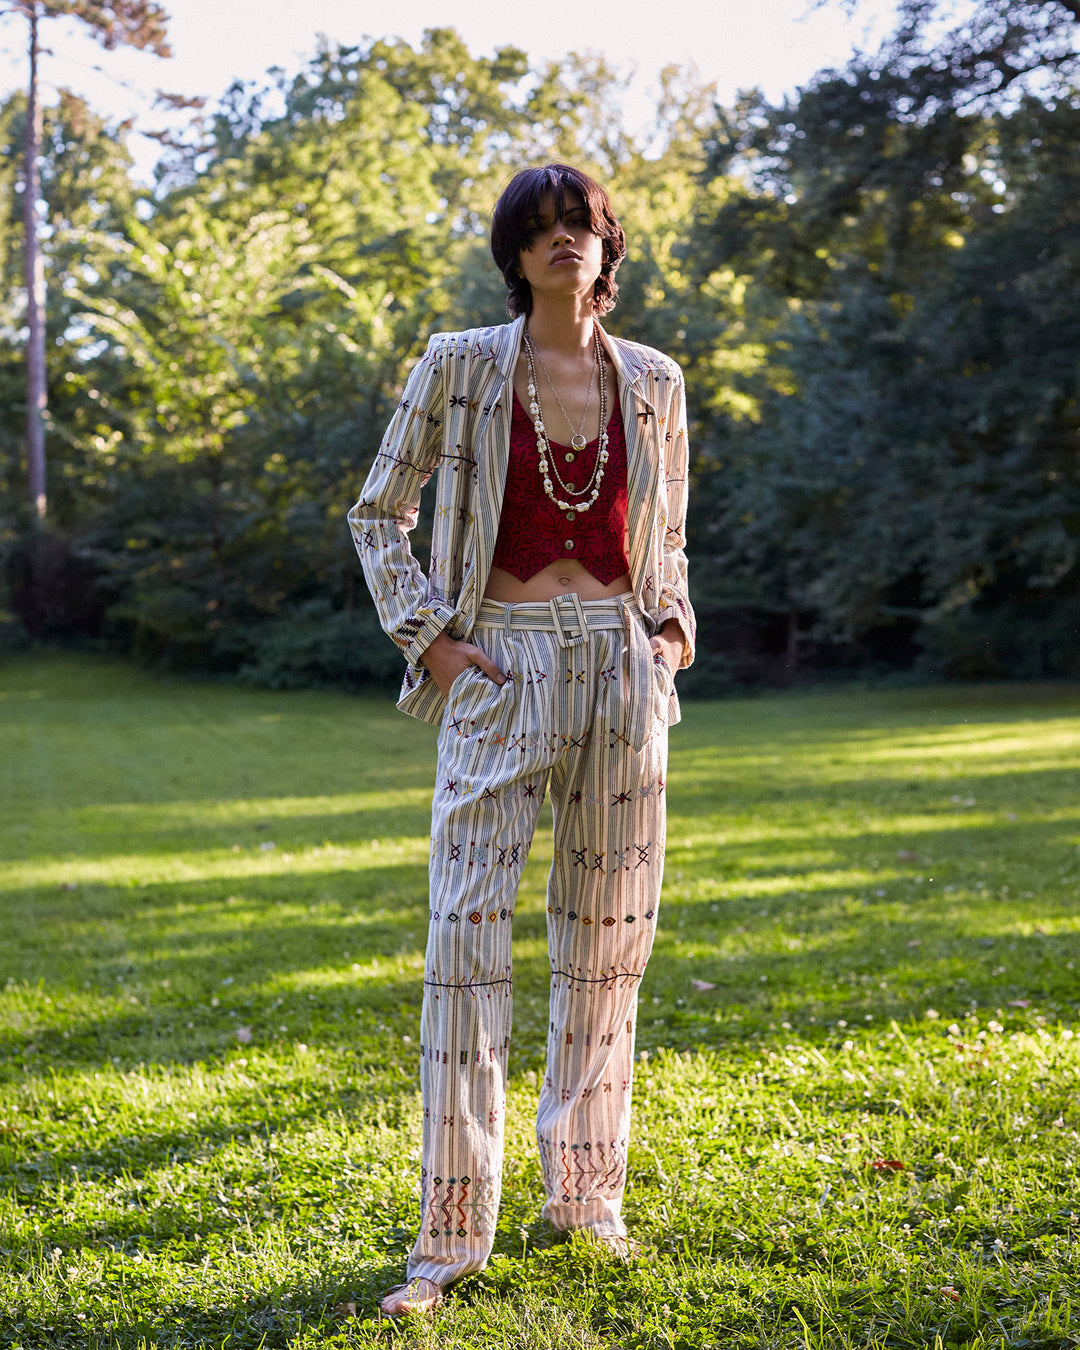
579	614
566	639
556	619
506	620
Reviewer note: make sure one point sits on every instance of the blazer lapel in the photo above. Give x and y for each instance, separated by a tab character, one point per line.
641	430
492	441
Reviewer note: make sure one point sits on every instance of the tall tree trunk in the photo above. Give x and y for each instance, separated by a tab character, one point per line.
34	269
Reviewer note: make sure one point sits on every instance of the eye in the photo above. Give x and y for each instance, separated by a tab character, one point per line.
535	225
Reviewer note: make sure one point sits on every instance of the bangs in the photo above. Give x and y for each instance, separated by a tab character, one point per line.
521	208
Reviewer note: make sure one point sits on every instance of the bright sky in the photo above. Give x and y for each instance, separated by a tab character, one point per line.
777	44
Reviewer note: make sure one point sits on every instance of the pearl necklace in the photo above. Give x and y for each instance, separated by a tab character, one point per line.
543	445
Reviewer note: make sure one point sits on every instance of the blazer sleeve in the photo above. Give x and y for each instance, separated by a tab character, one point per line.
409	609
674	596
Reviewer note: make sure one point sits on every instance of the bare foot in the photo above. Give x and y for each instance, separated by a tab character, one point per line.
625	1248
621	1247
417	1296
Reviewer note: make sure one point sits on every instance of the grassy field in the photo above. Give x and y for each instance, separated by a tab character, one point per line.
858	1095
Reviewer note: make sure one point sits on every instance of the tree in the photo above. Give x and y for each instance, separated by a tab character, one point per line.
266	313
910	227
114	23
88	195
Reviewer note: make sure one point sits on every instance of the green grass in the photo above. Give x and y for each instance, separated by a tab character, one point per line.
212	914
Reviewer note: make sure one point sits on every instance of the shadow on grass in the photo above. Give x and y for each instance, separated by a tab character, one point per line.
254	948
144	835
143	830
922	958
265	1318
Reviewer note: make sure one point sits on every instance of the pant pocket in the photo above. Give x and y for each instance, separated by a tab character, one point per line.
663	685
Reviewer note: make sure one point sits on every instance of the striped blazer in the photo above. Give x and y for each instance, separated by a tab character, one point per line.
453	420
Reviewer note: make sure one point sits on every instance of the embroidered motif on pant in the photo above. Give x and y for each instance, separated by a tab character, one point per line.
581	1170
567	739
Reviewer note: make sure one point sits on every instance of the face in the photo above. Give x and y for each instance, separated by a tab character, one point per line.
565	256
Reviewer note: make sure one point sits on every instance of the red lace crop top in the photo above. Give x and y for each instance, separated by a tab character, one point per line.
533	532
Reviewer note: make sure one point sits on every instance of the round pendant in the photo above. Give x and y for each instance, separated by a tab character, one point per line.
578	441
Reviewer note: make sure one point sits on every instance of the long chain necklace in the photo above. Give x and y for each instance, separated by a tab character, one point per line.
577	442
543	445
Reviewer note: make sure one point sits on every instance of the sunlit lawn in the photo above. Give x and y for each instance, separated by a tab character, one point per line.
857	1111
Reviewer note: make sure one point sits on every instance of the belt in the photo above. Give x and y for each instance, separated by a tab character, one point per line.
571	618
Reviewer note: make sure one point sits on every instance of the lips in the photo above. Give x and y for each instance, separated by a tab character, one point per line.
566	255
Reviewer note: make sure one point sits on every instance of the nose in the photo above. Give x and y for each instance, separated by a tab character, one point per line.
561	235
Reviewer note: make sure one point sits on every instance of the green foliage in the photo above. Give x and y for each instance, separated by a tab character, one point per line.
910	468
266	314
872	289
114	23
87	197
211	958
317	645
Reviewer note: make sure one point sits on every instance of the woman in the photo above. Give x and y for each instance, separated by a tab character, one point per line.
543	642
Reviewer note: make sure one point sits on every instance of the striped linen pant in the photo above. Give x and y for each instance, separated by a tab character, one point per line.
579	716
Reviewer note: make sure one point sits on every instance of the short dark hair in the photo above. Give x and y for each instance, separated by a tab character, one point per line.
515	223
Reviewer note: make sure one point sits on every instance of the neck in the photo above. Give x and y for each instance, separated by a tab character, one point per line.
564	326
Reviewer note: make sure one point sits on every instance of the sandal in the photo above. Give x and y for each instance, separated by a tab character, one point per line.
417	1295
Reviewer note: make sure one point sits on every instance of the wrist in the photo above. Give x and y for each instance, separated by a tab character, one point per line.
673	638
438	646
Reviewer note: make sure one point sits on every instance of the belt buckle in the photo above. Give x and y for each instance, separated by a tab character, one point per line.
567	637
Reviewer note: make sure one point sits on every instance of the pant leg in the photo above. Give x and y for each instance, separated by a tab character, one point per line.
491	779
603	894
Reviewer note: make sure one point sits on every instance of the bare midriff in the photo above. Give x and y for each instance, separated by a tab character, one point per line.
559	578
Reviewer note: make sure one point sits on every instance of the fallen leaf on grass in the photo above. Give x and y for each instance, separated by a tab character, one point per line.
887	1165
702	985
344	1310
949	1292
1019	1003
914	942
